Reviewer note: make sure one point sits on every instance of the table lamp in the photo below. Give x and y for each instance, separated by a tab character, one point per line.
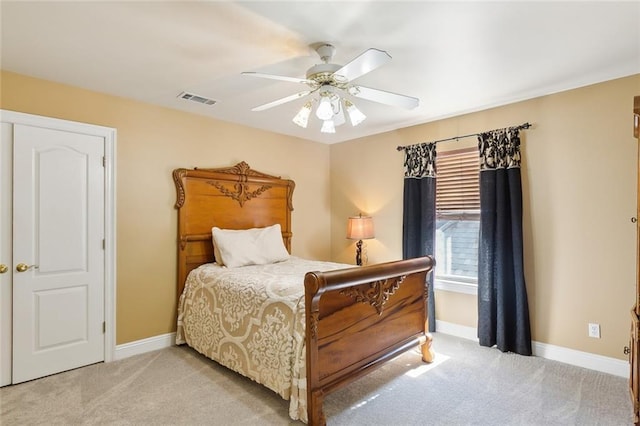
359	228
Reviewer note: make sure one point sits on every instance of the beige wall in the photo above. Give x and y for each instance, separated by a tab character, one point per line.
579	193
151	142
579	183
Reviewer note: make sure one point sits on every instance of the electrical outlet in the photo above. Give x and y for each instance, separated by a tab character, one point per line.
594	330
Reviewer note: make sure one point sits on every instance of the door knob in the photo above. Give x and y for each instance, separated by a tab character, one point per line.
21	267
3	268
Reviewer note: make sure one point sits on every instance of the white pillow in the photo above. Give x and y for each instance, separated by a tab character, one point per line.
255	246
216	252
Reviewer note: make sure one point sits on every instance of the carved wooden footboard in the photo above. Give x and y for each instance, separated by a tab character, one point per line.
357	319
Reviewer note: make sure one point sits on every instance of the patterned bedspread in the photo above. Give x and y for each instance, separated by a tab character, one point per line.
251	319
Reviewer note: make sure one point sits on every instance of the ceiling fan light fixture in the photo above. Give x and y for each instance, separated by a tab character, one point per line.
355	115
328	127
330	84
302	117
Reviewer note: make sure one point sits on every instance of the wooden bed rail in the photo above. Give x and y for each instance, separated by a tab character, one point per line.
358	318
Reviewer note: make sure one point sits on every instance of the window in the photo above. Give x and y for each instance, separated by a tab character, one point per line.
457	220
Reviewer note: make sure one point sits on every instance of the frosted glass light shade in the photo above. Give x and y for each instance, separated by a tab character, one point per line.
302	117
328	127
325	110
355	115
338	119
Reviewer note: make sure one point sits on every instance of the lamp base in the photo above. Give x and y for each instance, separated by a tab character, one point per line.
359	253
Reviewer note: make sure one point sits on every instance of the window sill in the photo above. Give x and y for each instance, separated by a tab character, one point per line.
455	286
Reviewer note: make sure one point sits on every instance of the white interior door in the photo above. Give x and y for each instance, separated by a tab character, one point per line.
58	251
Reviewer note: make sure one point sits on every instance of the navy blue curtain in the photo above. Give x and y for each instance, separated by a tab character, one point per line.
419	211
503	309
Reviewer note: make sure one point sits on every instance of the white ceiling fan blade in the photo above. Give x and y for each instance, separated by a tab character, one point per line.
367	61
281	101
384	97
278	77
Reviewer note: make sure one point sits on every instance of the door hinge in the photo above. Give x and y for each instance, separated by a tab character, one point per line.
104	327
104	161
103	244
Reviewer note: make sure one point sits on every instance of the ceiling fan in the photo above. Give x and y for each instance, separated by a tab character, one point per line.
334	85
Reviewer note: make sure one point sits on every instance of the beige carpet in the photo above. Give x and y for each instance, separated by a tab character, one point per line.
467	385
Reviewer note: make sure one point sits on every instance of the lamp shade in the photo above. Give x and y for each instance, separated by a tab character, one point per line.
360	228
328	127
302	117
355	115
324	110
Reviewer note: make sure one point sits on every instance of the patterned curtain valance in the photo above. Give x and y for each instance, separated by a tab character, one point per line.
420	161
499	149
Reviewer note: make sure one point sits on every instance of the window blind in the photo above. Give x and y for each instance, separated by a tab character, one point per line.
457	184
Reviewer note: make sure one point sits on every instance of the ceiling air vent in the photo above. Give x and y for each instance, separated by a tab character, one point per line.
196	98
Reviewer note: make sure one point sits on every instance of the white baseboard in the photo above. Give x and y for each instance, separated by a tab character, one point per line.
604	364
457	330
145	345
588	360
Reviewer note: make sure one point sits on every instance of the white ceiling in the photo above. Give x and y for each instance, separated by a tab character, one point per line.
456	57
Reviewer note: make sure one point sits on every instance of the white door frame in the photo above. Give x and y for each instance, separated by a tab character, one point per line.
109	135
6	252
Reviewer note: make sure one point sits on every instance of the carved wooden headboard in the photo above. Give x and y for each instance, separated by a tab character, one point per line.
230	198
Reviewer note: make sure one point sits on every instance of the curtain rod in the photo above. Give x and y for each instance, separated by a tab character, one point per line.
522	126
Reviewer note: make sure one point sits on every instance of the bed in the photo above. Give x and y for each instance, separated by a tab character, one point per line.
301	328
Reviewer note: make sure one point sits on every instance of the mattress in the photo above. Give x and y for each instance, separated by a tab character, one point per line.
251	319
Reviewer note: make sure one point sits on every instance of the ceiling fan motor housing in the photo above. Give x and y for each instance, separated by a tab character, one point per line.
326	52
324	74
